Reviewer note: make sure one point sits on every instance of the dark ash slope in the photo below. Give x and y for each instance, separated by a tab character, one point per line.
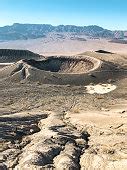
12	55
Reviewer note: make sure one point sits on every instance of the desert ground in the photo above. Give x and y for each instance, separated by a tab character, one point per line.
66	112
65	44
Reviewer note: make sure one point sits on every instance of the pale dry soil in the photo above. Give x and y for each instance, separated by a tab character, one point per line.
45	126
54	45
51	126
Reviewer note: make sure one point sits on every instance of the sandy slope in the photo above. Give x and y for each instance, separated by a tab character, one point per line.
108	140
4	64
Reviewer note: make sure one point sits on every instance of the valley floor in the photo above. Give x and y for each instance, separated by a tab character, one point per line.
53	45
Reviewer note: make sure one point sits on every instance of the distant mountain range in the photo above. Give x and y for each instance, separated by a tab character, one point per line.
32	31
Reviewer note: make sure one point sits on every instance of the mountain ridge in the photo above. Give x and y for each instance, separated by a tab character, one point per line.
19	31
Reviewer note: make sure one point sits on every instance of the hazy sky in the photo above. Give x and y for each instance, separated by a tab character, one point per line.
111	14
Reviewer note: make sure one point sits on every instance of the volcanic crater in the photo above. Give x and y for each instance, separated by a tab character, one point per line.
62	64
76	70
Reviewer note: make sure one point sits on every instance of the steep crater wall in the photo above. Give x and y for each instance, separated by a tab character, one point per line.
62	65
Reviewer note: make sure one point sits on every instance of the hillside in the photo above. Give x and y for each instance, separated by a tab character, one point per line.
11	55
